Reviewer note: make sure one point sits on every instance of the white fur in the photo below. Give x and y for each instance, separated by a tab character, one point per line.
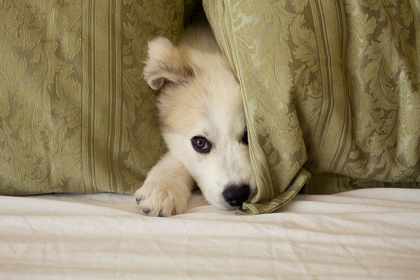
199	97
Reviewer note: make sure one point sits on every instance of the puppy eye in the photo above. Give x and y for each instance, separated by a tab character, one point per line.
245	138
201	144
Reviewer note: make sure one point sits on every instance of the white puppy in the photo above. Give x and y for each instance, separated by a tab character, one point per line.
203	124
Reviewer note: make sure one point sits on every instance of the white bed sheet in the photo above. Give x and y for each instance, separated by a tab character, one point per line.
364	234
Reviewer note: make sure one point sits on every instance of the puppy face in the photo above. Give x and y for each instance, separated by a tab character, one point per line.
202	119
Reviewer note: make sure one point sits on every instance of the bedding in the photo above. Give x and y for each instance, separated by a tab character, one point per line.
75	113
331	91
363	234
330	88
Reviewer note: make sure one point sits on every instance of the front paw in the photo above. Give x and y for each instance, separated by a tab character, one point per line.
162	199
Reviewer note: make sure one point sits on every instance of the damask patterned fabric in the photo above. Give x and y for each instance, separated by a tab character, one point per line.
330	87
75	114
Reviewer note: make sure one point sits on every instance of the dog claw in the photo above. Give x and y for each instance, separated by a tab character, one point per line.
146	210
161	214
138	200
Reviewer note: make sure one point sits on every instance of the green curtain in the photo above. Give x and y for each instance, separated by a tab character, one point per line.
331	87
75	114
331	91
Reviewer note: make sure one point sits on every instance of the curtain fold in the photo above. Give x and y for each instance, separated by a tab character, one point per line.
75	113
331	88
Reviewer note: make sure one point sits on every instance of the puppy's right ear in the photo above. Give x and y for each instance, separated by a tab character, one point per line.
166	64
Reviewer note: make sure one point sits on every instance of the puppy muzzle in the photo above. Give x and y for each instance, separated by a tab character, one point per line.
235	195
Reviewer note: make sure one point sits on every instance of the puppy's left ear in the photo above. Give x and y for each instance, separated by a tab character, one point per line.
166	64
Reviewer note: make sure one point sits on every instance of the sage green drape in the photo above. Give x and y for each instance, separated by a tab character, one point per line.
331	91
332	87
75	114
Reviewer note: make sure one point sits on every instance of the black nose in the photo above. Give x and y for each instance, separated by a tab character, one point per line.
235	195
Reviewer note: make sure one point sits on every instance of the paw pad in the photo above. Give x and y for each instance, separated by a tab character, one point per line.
138	200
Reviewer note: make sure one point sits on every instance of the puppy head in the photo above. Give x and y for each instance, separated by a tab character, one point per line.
202	119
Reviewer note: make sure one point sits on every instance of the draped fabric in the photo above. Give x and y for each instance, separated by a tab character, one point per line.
331	91
330	87
75	114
